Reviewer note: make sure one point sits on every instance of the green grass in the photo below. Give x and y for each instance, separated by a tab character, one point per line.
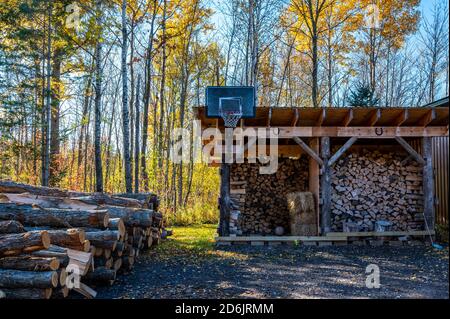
195	242
195	214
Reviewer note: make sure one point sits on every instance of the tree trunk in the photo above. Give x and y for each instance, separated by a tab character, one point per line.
163	83
11	227
98	106
16	244
63	218
100	276
47	112
136	132
30	263
55	114
28	279
132	217
125	113
26	293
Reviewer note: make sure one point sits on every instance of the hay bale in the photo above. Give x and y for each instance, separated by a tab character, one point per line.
303	220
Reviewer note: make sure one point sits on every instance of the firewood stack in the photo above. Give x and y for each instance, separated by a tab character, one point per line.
47	235
373	186
261	198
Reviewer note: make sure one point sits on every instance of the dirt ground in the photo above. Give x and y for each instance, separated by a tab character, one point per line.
178	269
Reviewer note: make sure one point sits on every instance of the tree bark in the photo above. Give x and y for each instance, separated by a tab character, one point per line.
47	110
63	218
26	293
136	132
100	276
11	227
125	111
30	263
16	244
132	216
98	106
28	279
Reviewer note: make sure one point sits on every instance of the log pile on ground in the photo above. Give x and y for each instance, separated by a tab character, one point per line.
261	198
372	186
49	236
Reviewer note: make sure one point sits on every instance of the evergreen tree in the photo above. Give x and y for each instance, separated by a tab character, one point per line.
363	96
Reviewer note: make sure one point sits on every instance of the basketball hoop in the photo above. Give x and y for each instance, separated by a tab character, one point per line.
230	110
231	118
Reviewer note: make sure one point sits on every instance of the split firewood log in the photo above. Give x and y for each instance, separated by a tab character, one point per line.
30	263
62	257
104	239
16	244
62	218
11	227
132	216
73	238
100	276
13	187
104	199
117	224
27	293
28	279
148	200
47	201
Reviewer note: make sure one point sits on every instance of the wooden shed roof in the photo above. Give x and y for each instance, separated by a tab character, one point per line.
427	116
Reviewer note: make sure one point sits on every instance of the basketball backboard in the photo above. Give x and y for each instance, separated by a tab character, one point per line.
239	99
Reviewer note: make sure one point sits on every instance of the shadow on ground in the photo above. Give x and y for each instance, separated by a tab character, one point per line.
191	267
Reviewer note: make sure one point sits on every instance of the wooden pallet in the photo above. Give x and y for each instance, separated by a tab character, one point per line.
280	238
380	234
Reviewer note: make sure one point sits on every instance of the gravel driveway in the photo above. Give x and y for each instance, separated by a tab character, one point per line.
286	272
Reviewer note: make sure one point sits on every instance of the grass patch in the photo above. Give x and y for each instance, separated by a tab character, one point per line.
195	214
195	242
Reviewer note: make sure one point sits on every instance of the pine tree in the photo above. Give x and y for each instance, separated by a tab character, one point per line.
363	96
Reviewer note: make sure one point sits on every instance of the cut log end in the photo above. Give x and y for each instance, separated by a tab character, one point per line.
45	239
62	277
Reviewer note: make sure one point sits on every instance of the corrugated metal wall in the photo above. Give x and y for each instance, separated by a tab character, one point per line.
440	165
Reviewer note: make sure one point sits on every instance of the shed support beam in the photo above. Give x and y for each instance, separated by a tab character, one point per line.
342	150
224	200
308	150
322	117
427	118
428	184
410	150
402	118
373	119
348	118
359	131
314	178
325	185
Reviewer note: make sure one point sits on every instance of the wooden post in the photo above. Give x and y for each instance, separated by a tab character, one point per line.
325	184
224	202
428	183
314	177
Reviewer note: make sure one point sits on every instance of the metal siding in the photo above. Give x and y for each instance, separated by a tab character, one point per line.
440	166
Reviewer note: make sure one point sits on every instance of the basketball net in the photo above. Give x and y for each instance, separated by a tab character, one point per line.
231	118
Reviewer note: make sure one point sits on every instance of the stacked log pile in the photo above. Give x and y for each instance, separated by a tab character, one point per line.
49	236
370	186
260	199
